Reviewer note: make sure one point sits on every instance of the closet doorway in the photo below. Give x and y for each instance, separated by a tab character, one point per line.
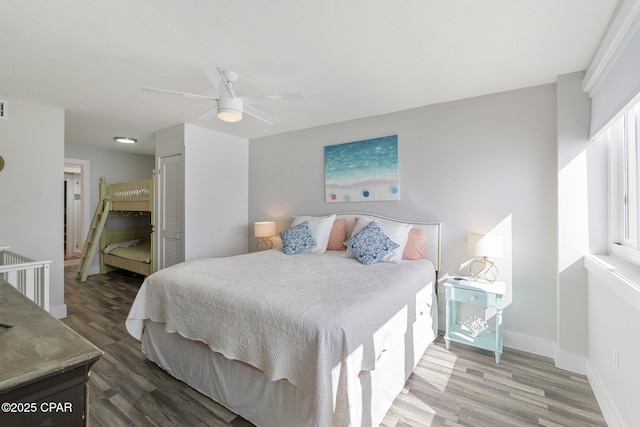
76	211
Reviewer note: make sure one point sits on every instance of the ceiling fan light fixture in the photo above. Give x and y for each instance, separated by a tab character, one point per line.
125	139
229	109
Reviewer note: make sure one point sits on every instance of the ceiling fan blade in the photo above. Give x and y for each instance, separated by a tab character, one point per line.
208	115
218	79
225	87
212	73
259	114
175	92
269	99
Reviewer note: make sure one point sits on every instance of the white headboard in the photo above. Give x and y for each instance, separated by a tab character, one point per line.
431	233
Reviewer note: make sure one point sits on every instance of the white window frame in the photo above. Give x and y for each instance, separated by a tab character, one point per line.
625	130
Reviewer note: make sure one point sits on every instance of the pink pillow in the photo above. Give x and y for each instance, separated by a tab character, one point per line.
338	235
414	248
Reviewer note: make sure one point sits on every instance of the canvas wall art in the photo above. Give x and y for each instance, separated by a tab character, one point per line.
362	170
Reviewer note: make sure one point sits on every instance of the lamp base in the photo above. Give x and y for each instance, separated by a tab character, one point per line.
483	270
264	243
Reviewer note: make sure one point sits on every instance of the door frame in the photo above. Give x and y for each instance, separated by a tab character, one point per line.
85	196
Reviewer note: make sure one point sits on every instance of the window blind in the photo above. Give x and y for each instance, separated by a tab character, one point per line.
617	83
618	89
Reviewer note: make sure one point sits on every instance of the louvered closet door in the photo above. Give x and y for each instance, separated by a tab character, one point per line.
170	189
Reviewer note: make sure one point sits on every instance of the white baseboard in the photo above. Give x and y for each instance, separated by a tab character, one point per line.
562	359
605	402
58	311
571	362
529	344
542	347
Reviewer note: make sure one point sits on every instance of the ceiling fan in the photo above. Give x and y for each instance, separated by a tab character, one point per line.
230	107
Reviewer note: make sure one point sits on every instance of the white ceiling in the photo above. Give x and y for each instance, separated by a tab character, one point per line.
350	58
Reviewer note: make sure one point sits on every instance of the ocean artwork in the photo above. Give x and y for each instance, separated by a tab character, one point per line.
362	171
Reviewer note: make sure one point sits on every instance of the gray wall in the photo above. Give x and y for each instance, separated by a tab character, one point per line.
475	165
31	185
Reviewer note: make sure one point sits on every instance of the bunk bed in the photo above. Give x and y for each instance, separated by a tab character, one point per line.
131	248
137	253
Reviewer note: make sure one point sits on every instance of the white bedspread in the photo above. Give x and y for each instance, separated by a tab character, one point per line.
316	320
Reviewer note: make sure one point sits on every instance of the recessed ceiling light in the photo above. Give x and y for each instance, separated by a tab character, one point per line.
125	139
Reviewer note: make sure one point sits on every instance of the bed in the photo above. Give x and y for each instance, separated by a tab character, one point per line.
128	249
311	339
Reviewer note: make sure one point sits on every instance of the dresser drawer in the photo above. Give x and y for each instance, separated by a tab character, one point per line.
470	296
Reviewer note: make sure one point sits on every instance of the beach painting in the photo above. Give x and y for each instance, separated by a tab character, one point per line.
362	171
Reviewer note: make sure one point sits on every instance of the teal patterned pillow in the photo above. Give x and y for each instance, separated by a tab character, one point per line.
297	239
370	245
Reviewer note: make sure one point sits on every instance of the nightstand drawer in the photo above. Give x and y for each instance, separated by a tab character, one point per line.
470	296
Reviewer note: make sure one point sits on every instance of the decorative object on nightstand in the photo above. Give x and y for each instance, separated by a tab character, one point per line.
474	325
474	330
484	246
263	230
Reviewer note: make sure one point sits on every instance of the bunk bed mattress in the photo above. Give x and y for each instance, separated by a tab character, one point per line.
137	253
319	322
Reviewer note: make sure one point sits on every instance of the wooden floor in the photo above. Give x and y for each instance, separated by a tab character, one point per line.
460	387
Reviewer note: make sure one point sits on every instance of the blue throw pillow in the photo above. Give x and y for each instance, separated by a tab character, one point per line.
297	239
370	244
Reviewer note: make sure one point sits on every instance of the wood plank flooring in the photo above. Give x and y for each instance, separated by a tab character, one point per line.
460	387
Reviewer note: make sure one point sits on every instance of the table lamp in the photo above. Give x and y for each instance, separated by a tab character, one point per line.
483	247
263	230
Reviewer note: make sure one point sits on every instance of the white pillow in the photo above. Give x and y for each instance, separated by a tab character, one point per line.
320	230
396	231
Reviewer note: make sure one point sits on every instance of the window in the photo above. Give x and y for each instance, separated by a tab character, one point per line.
625	184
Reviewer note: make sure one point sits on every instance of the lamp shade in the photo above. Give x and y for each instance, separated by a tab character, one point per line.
264	229
485	245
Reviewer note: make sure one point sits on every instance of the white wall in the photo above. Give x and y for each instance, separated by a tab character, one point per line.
582	217
216	193
613	317
215	170
31	185
573	244
474	165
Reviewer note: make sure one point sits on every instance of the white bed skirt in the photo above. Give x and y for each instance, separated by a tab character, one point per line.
248	393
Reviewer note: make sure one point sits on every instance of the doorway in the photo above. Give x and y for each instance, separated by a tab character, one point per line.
76	198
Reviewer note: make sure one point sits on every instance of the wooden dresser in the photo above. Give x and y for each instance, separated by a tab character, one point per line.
44	366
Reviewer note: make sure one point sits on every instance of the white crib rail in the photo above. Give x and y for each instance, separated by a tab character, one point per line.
29	277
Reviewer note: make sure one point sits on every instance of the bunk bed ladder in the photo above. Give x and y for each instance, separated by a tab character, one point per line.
93	240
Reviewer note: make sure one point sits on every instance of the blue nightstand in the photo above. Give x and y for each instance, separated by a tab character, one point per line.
487	295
